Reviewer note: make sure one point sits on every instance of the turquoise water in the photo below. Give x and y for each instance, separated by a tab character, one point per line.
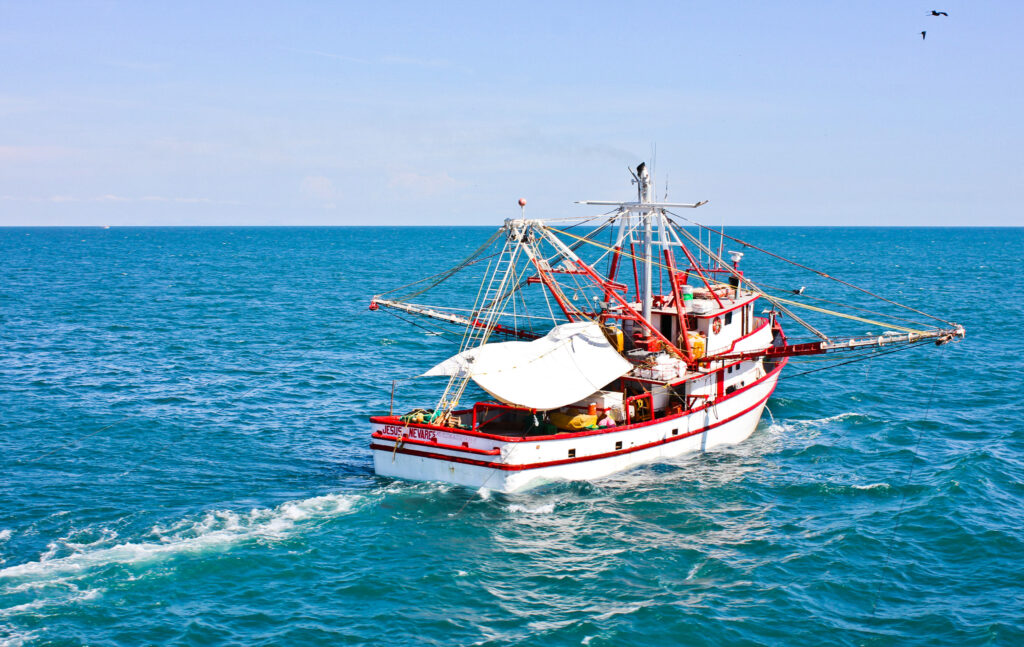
185	461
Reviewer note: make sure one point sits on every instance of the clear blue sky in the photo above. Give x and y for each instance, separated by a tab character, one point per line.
348	113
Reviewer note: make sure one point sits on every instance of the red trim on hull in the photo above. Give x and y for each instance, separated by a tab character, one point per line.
565	461
405	440
527	466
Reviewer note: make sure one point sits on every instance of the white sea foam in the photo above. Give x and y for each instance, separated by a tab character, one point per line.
617	611
415	487
872	486
216	530
547	508
484	493
693	571
823	421
5	534
39	603
781	427
12	638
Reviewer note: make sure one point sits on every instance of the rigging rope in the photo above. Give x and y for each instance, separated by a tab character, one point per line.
746	280
558	255
811	269
445	275
437	331
851	361
759	291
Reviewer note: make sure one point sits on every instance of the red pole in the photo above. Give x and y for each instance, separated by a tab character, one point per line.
680	304
636	315
696	268
636	273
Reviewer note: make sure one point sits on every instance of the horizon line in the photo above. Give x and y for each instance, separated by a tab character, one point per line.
981	226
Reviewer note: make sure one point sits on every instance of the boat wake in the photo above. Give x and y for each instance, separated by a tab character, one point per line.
216	531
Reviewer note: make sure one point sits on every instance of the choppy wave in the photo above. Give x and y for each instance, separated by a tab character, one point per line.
810	520
70	594
10	637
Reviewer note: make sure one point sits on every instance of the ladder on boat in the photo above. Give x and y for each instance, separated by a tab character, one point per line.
483	318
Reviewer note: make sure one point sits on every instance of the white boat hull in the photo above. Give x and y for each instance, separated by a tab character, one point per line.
510	464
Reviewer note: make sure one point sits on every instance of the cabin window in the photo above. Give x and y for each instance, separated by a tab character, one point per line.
730	389
618	444
675	432
572	453
728	318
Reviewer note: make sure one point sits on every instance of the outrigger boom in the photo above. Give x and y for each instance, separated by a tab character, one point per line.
847	343
449	317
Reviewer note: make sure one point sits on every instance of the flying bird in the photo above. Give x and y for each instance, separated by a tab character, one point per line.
938	13
922	34
801	290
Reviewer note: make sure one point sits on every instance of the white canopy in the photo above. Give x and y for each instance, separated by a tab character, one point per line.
569	363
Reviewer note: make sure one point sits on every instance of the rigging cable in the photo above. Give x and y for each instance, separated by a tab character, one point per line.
852	361
811	269
770	298
446	274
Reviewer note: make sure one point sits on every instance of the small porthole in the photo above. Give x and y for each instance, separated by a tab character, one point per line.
618	444
675	432
572	453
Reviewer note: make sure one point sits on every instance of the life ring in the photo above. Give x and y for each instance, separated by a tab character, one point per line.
716	325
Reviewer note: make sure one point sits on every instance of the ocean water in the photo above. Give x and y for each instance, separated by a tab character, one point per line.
184	454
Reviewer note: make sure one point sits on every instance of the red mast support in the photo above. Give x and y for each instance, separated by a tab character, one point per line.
679	303
625	305
636	272
552	286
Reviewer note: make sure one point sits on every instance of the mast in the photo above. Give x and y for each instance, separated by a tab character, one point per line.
644	190
647	209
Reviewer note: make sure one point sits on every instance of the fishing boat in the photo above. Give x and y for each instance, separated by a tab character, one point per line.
599	343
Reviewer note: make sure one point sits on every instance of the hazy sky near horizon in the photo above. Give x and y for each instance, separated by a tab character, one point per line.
783	113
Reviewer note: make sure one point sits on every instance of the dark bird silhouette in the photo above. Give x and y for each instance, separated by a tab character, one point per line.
922	34
800	291
938	13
